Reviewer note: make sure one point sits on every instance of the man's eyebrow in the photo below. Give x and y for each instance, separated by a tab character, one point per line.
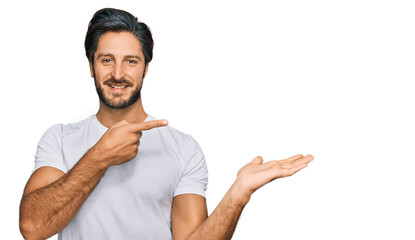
104	55
133	56
111	55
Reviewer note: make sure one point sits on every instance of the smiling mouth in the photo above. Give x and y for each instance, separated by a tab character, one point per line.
117	86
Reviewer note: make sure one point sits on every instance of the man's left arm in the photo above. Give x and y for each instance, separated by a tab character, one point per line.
189	211
189	218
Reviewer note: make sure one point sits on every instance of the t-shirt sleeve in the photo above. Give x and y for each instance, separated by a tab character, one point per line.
49	149
194	178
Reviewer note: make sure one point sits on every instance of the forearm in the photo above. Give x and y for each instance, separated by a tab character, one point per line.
221	224
46	211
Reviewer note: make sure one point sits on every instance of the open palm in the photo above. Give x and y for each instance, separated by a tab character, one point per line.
256	173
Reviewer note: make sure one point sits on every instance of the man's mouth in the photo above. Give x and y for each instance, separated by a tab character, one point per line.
117	86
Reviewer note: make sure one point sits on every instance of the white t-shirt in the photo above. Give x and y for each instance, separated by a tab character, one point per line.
132	200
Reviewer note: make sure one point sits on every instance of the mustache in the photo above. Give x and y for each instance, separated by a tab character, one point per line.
122	81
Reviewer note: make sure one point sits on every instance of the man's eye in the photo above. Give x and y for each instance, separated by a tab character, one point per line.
106	60
132	61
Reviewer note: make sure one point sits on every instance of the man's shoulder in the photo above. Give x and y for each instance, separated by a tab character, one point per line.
64	129
184	142
172	132
79	124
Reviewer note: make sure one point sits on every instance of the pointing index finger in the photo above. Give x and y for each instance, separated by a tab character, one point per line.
150	125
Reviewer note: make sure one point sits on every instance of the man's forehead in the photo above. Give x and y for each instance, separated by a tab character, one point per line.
119	44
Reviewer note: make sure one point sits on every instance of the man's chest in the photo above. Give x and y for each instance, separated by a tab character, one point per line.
150	177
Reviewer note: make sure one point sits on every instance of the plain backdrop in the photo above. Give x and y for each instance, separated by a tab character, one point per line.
244	78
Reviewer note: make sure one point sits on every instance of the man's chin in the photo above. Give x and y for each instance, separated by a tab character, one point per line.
120	103
116	104
118	100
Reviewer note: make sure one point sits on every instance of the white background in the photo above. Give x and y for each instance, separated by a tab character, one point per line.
244	78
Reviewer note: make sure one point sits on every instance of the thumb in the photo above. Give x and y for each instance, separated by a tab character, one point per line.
119	124
258	160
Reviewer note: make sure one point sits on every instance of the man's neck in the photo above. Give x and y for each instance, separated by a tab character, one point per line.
109	116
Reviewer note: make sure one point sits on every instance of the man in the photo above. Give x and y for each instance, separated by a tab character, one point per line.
122	174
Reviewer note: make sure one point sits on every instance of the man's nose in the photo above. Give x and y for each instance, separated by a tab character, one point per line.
118	71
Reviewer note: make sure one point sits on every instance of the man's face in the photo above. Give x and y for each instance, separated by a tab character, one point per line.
119	68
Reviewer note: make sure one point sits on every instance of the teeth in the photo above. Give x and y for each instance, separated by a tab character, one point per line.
118	87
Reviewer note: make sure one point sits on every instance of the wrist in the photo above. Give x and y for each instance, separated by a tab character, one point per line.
98	158
239	192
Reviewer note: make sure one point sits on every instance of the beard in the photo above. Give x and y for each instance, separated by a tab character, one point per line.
117	103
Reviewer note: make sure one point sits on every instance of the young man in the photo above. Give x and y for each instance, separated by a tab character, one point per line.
122	174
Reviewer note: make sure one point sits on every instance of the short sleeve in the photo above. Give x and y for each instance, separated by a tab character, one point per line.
194	178
49	149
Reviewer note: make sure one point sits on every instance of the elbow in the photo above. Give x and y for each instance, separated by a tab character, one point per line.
27	230
27	224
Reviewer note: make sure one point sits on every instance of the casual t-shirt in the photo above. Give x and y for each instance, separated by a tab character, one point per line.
132	200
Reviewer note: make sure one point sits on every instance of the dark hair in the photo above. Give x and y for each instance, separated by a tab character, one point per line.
115	20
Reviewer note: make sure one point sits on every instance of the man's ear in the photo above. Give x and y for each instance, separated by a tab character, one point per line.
91	69
145	71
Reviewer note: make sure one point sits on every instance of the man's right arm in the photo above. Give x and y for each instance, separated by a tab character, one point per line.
52	198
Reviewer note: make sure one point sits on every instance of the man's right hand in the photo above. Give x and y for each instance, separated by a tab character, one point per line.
52	198
120	143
